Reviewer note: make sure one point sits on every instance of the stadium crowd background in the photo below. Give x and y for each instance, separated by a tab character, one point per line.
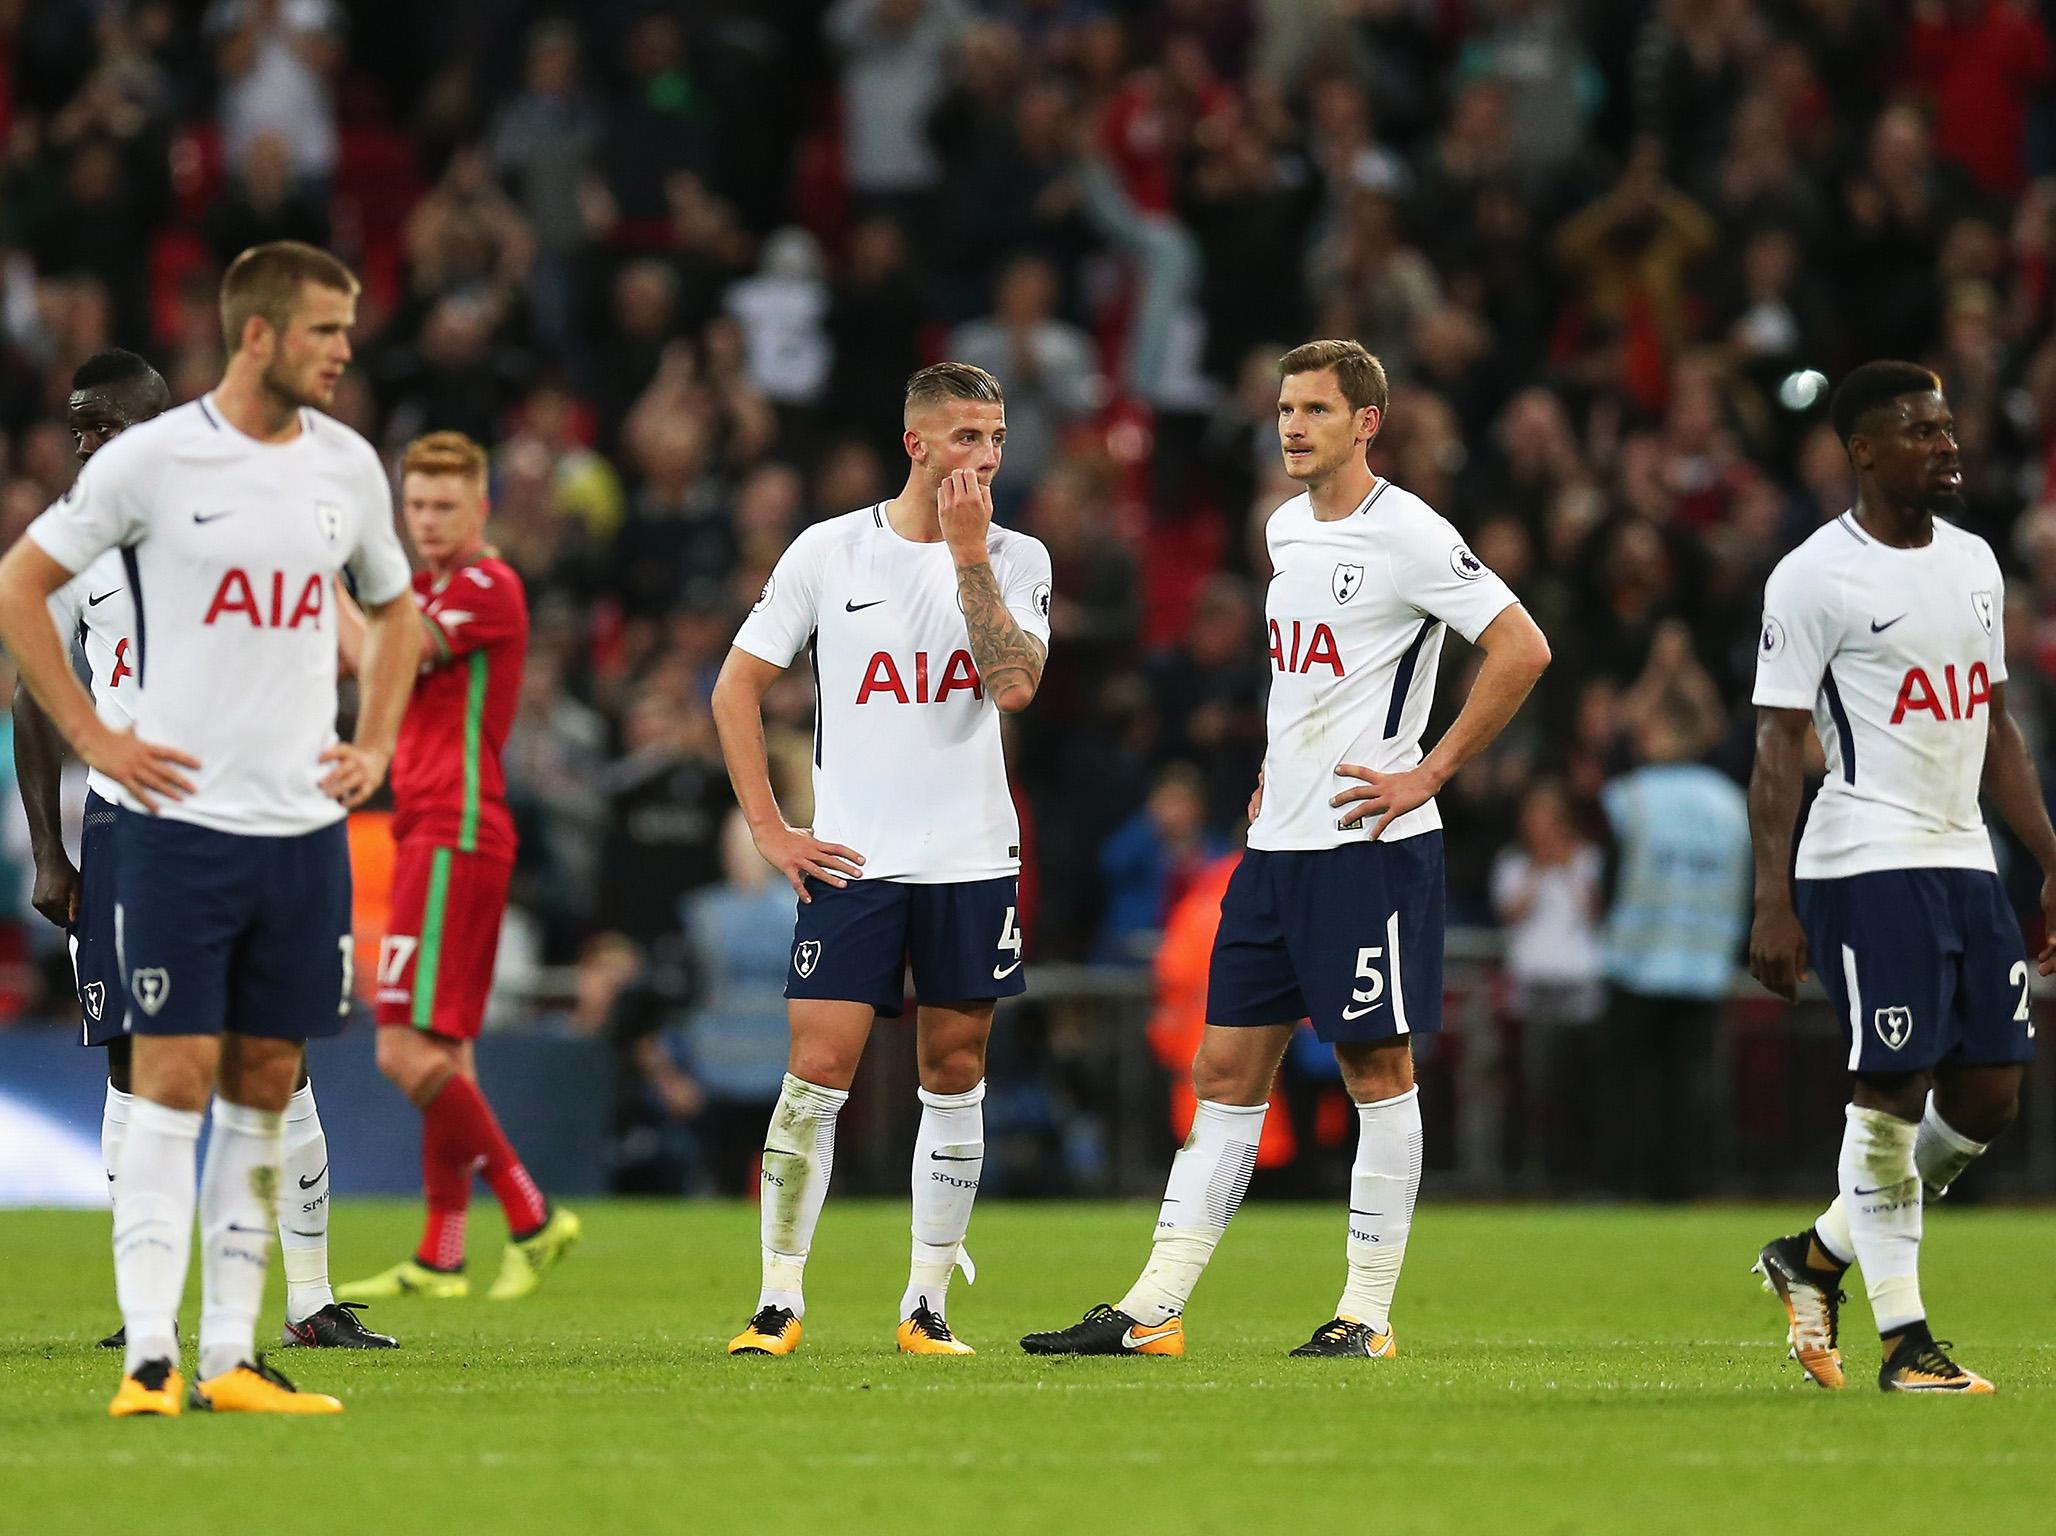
674	262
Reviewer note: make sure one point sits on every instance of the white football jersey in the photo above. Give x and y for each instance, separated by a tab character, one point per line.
230	546
1895	651
93	611
1355	616
908	767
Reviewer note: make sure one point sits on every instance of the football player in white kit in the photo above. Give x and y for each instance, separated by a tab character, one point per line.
232	516
1335	912
1885	634
924	622
110	392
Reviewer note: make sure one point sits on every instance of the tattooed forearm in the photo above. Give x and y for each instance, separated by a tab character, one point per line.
1009	659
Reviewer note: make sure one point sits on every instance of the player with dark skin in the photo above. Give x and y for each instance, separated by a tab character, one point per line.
1908	470
96	416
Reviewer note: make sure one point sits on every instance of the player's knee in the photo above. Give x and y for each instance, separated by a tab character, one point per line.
1982	1113
411	1064
1377	1074
1229	1081
1903	1094
953	1071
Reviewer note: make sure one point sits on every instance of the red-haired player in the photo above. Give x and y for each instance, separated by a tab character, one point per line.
456	853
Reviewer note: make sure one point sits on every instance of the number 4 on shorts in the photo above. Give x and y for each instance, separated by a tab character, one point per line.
1009	939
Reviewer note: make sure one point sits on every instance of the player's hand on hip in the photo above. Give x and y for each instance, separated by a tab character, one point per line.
963	505
1777	952
796	853
355	774
1256	801
56	891
146	770
1392	794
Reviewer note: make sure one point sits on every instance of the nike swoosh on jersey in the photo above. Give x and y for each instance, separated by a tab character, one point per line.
215	517
850	607
1002	975
95	602
1878	629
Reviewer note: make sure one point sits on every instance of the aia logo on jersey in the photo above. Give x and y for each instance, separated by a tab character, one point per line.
237	594
1917	694
122	668
1309	648
884	677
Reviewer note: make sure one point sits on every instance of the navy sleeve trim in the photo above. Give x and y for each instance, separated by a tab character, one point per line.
1848	737
1402	679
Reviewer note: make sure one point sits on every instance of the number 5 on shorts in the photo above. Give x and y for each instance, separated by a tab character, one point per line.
1009	939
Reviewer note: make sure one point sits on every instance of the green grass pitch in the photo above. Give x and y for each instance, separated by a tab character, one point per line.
1562	1371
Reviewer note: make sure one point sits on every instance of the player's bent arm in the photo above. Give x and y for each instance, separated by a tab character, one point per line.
1010	660
28	575
39	768
391	655
738	706
2015	789
1777	944
1516	656
349	631
385	681
2014	786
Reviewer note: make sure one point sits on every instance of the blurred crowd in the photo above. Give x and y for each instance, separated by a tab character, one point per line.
673	263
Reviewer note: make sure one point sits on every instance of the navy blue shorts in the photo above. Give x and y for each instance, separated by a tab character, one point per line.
1349	938
94	963
853	945
1923	966
220	931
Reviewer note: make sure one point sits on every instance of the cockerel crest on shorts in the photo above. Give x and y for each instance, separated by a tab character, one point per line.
806	956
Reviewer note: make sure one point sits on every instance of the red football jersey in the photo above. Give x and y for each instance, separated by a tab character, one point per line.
448	784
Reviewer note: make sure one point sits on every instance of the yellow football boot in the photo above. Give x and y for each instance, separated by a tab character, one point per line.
155	1388
409	1277
525	1262
1813	1307
773	1331
925	1333
1925	1366
258	1388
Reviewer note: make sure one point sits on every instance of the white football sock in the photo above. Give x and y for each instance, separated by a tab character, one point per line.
1941	1152
238	1208
799	1157
1383	1184
1209	1177
1881	1194
153	1228
1940	1155
114	1123
949	1155
303	1207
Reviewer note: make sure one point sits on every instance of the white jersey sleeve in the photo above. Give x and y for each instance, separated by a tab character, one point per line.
1023	570
787	612
378	565
100	512
1434	571
1802	622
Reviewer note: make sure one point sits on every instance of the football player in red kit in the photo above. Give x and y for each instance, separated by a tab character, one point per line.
456	853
